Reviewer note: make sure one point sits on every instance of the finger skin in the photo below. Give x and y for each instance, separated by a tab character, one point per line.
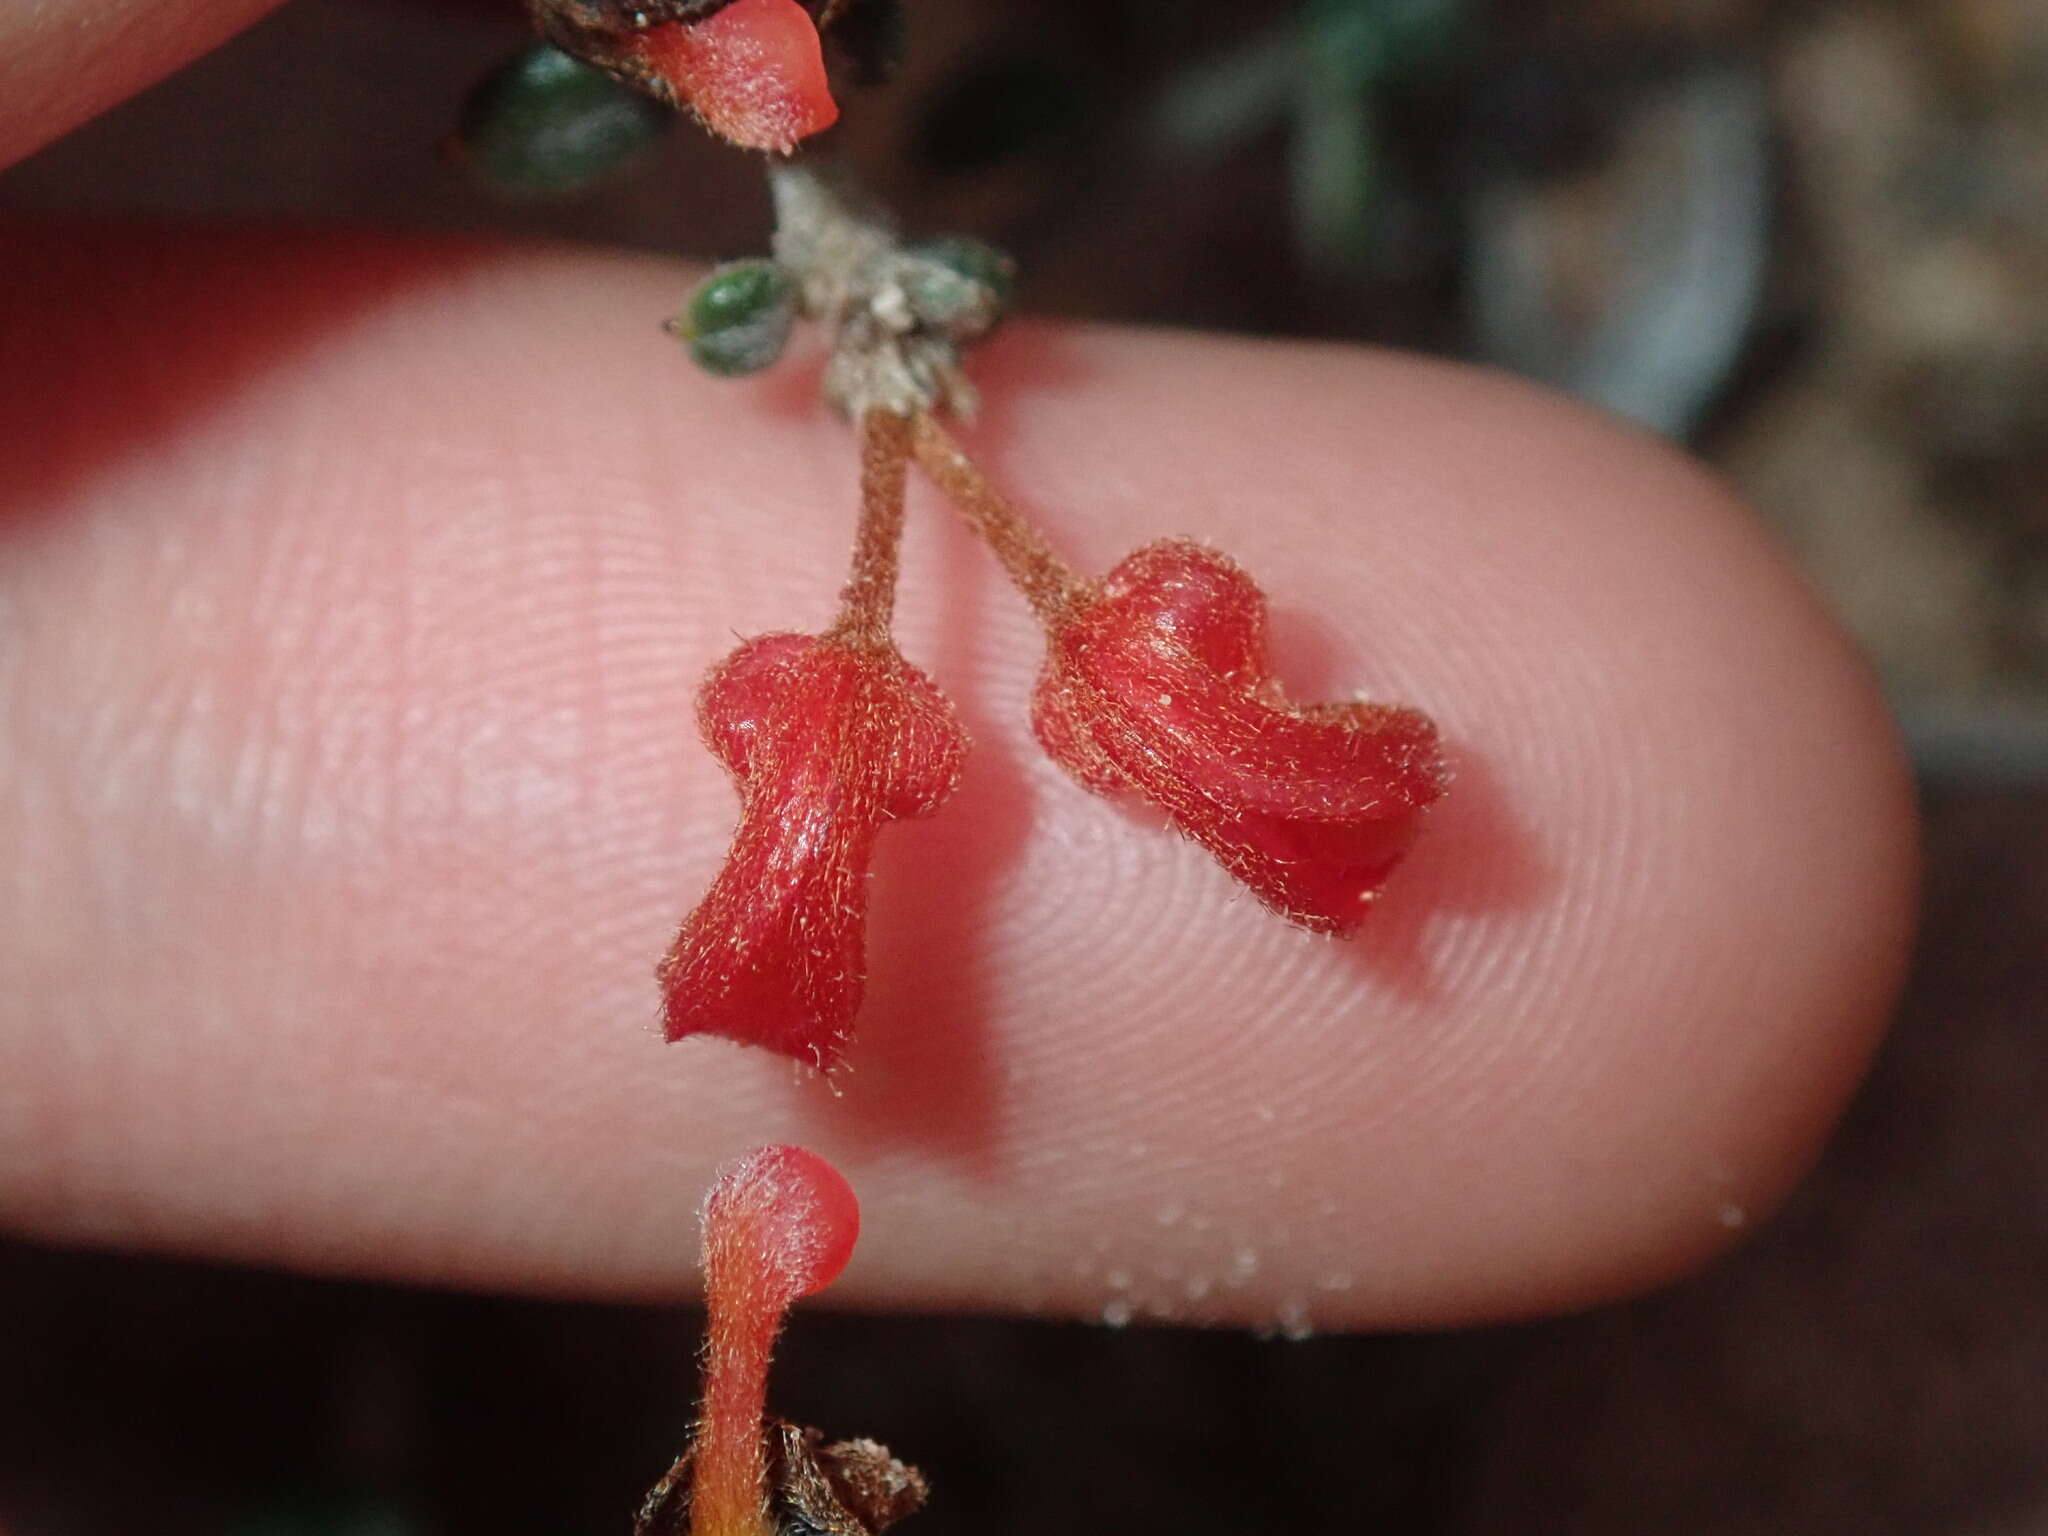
353	597
62	61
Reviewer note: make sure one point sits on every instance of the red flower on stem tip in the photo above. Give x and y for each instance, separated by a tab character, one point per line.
1156	681
753	72
828	737
779	1225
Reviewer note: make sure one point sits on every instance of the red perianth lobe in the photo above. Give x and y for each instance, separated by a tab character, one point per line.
1158	683
827	741
754	72
780	1222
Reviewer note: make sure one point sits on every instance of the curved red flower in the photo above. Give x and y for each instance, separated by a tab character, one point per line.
827	738
754	72
1156	681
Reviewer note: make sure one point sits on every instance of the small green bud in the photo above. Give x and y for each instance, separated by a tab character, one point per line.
975	260
546	123
739	318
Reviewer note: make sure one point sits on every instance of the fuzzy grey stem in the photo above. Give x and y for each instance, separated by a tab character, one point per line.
898	321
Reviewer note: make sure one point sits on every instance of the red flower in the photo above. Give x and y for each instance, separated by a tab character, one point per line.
1157	681
754	72
827	738
779	1225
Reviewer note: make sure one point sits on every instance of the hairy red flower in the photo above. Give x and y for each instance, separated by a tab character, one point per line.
754	72
1157	681
779	1225
827	738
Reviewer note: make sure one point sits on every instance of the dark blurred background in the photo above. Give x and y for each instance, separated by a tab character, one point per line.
1809	239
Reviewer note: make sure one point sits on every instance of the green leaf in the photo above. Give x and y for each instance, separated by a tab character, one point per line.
546	123
739	318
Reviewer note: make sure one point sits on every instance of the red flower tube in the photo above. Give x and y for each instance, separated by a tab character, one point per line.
753	73
1157	681
827	739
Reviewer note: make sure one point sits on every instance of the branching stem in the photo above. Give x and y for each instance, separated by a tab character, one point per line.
868	601
1048	583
